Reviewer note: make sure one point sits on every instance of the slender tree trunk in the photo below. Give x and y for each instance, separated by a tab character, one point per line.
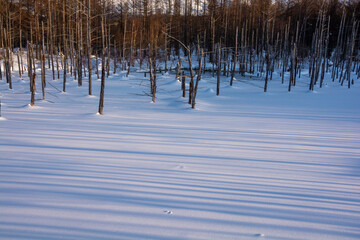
213	44
191	85
0	72
89	44
178	71
19	64
79	45
50	35
183	86
108	53
102	89
7	58
115	56
124	44
219	70
57	63
154	78
32	100
235	57
197	81
267	52
97	65
64	46
42	63
32	74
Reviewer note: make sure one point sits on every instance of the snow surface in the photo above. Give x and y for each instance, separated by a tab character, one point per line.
243	165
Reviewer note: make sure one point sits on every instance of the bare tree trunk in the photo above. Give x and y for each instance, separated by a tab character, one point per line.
89	44
32	85
79	44
20	41
191	85
108	53
97	65
42	62
124	44
32	74
57	63
2	48
151	76
197	81
235	57
219	70
178	71
166	51
183	86
213	44
267	52
102	89
140	48
115	57
131	48
242	54
19	64
72	54
50	35
7	58
64	46
154	78
0	72
292	65
285	52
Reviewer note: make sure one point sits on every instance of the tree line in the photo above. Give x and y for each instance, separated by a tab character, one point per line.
234	36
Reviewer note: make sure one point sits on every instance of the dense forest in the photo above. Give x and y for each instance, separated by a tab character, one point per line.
72	38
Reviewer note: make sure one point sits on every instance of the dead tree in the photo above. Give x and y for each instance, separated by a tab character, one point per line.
42	62
235	58
124	43
183	86
7	59
197	80
191	84
285	51
32	85
64	45
102	88
88	23
79	43
32	74
108	47
50	38
218	70
178	70
267	52
97	65
0	72
154	83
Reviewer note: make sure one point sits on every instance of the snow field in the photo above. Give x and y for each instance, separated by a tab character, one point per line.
243	165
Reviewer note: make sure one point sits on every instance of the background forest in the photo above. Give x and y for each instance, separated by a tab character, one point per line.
253	37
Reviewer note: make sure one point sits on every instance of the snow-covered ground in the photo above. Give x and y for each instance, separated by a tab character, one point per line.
242	165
